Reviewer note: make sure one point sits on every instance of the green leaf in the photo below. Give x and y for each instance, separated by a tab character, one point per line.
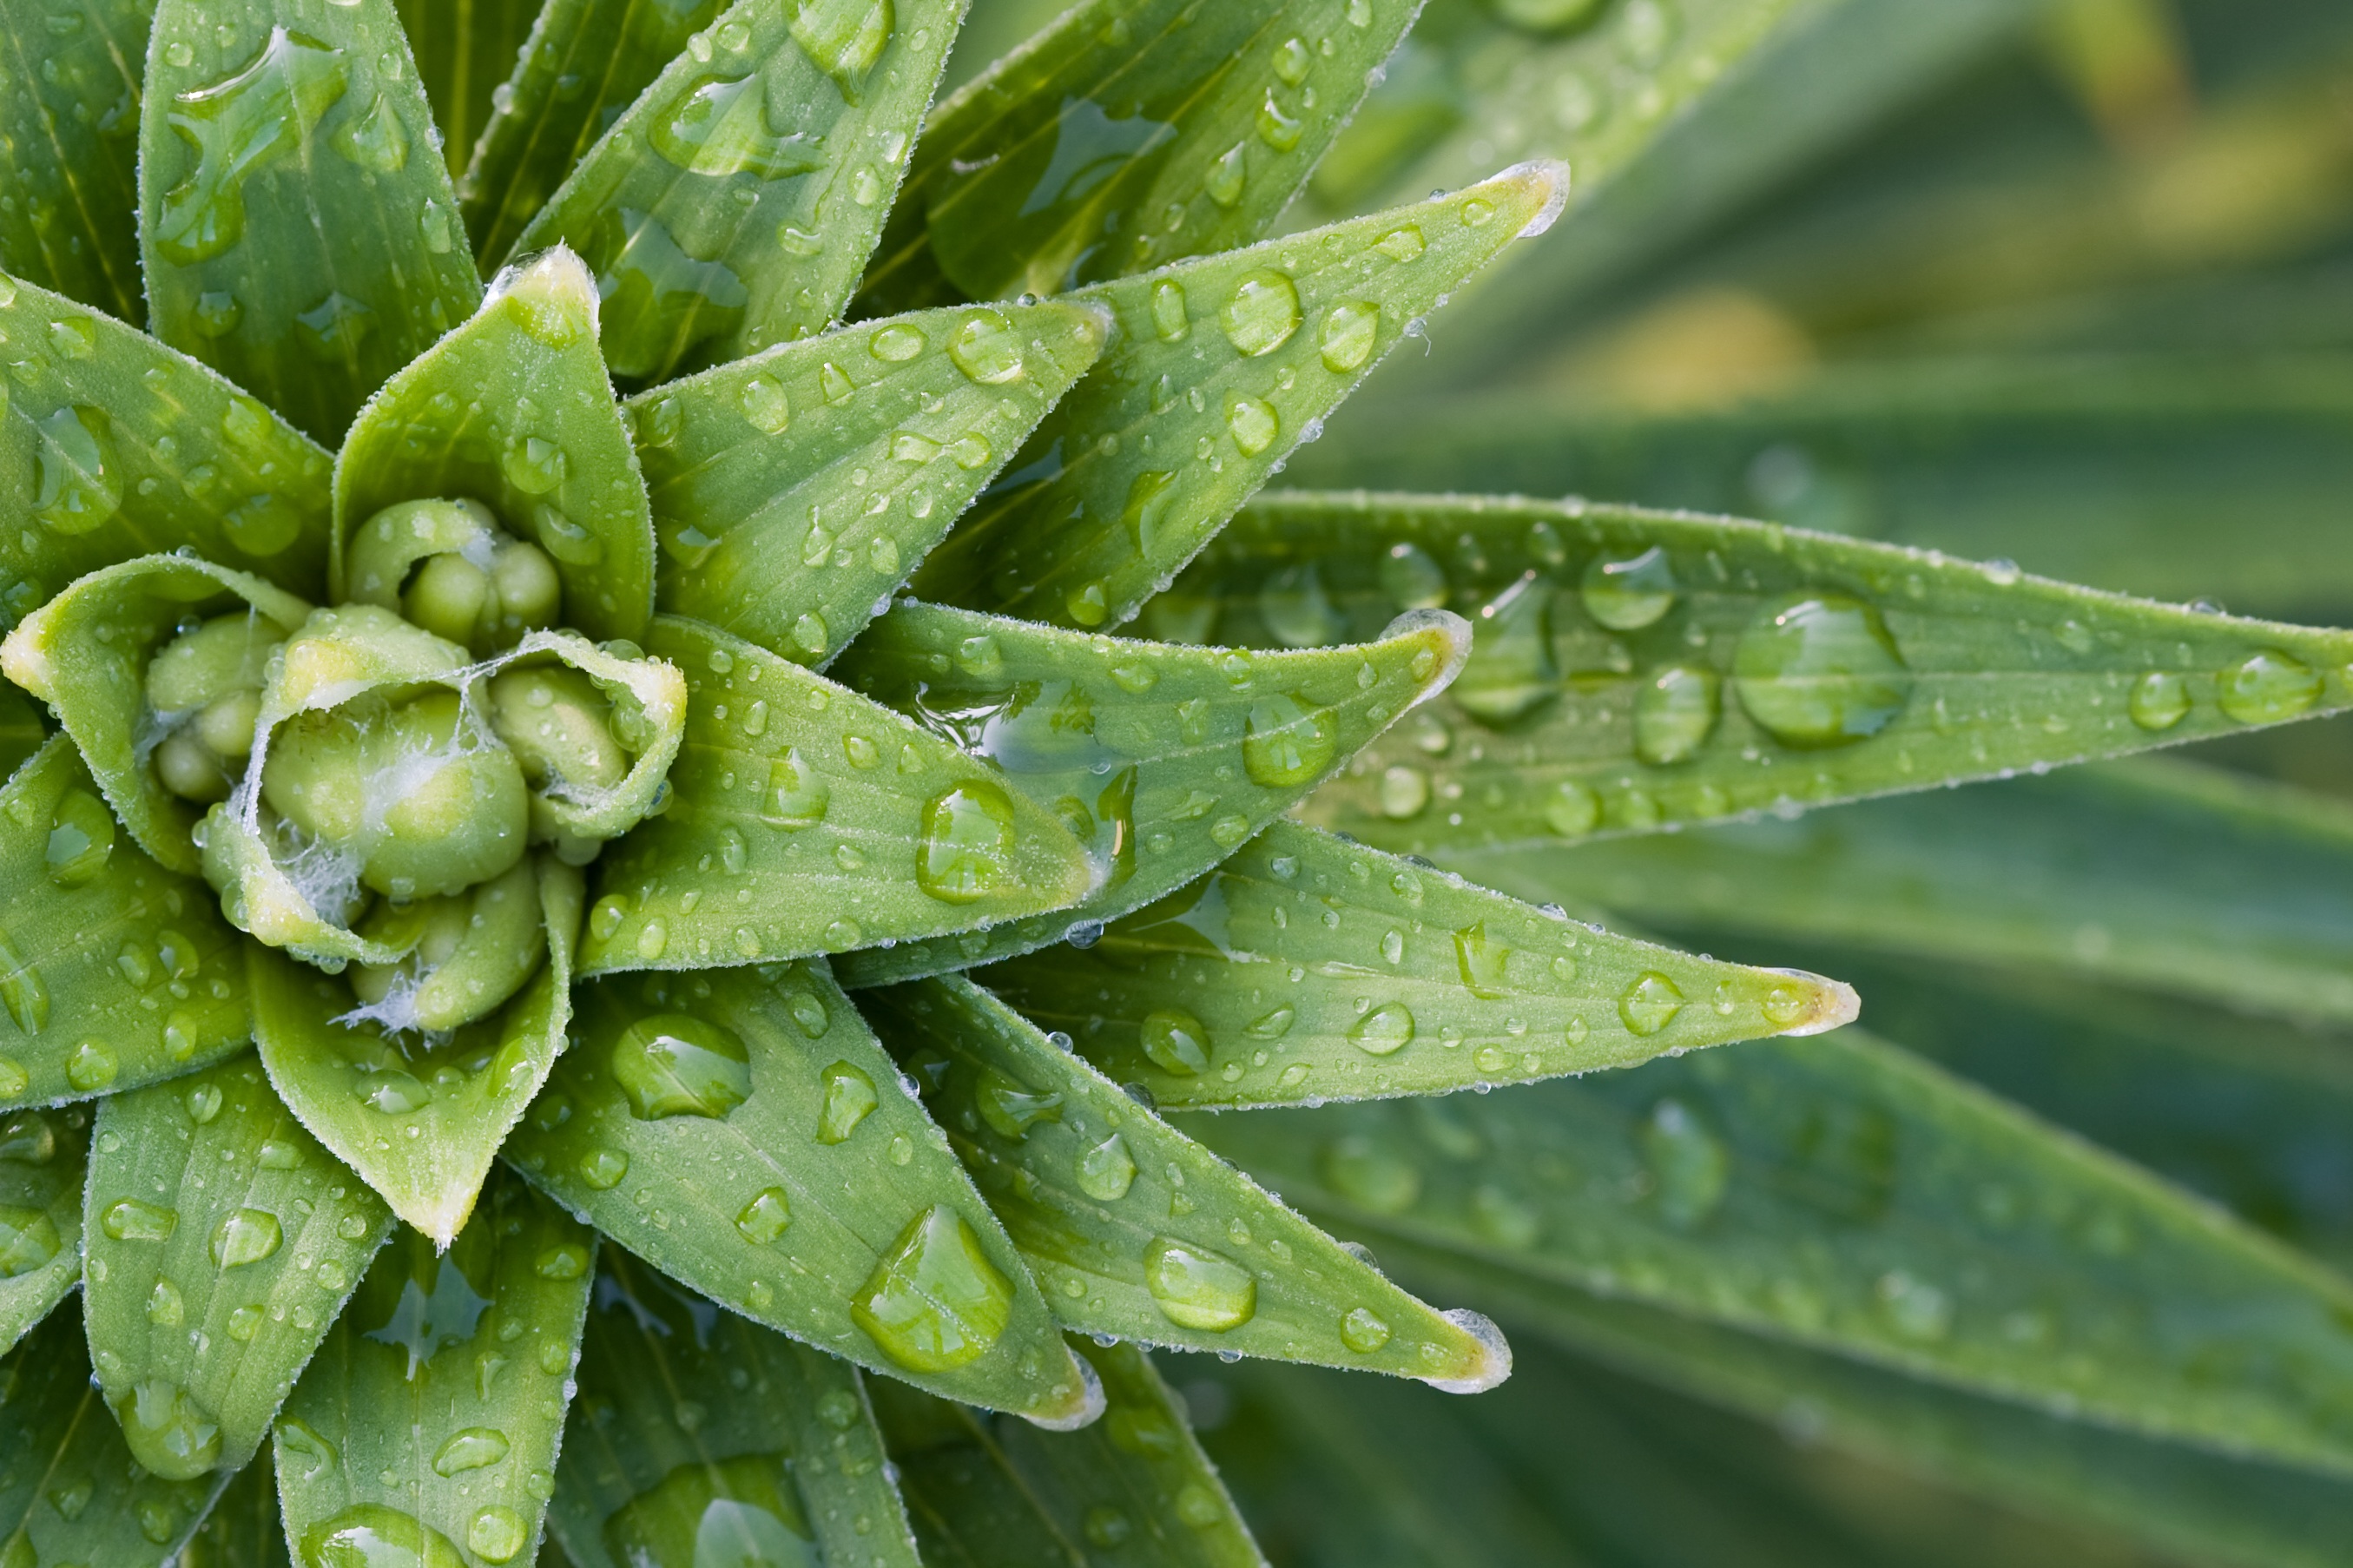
1133	1488
1637	669
115	972
774	1160
584	62
839	823
1135	1231
43	1155
243	1530
296	229
2156	873
1838	1193
1127	134
429	1419
792	543
21	732
513	410
734	204
112	446
419	1122
71	98
221	1241
85	653
464	51
2186	1502
684	1408
72	1491
1218	369
1134	747
1302	969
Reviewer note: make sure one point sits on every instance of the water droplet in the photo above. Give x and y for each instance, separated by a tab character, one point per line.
1820	671
133	1220
849	1099
373	139
392	1092
1169	320
168	1431
1571	810
986	347
672	1064
246	1237
497	1534
1106	1171
473	1448
1511	670
1401	244
81	839
564	1260
1404	792
217	314
601	1169
835	384
28	1240
165	1307
719	126
1262	313
765	1217
1253	422
1361	1331
1483	961
1229	176
1196	1288
1277	128
2267	687
796	797
966	847
766	405
204	1104
896	342
1674	710
1626	596
1286	743
534	465
73	337
1912	1307
1176	1042
2160	701
1650	1004
1413	578
434	226
331	331
1384	1031
844	40
1010	1107
79	479
238	127
565	539
935	1302
370	1535
1689	1165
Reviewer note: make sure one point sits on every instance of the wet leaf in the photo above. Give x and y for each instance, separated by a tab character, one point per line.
1218	369
117	973
465	49
584	64
71	165
835	822
243	1530
742	1130
1637	669
734	204
21	730
794	490
112	445
2156	873
690	1419
1133	1488
429	1419
1135	1231
43	1156
1838	1193
1162	760
72	1491
1307	969
513	410
419	1118
296	230
96	686
221	1241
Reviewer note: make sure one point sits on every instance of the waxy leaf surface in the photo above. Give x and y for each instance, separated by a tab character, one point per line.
1307	969
1217	369
1162	760
297	229
742	1130
430	1418
43	1159
71	95
465	49
1135	1230
685	1409
221	1242
794	490
806	818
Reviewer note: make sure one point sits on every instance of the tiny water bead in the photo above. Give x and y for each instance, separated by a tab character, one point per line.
672	1064
2267	687
1820	671
1196	1288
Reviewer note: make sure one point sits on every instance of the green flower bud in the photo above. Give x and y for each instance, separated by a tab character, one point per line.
529	594
227	655
469	954
560	727
446	598
227	725
448	567
190	769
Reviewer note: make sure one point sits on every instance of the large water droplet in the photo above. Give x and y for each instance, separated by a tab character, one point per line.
2267	687
236	128
719	126
849	1099
91	1066
246	1237
766	1217
935	1302
1820	671
1689	1165
766	405
1262	313
534	465
169	1432
1363	1331
1107	1170
967	849
843	39
473	1448
1511	670
371	1535
498	1533
1674	710
987	347
2160	701
1286	742
374	138
1176	1042
133	1220
735	1513
79	479
81	839
1196	1288
1650	1004
1626	596
1012	1108
672	1064
1253	423
1347	339
28	1240
22	989
1384	1031
796	797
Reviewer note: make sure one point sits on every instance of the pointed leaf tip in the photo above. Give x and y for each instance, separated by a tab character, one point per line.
553	296
1833	1003
1494	1365
1555	176
1447	624
1081	1411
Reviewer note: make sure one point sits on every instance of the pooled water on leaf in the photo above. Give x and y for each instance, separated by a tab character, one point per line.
81	839
2267	687
370	1535
935	1302
719	126
1821	670
78	483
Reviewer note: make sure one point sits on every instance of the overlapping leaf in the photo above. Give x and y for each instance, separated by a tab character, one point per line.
430	1418
72	1491
296	230
112	445
1161	760
742	1130
1216	370
43	1158
71	95
1134	1230
686	1411
221	1241
464	51
513	410
243	1530
21	730
734	204
1838	1193
792	492
1127	134
833	821
1133	1488
1307	968
114	971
